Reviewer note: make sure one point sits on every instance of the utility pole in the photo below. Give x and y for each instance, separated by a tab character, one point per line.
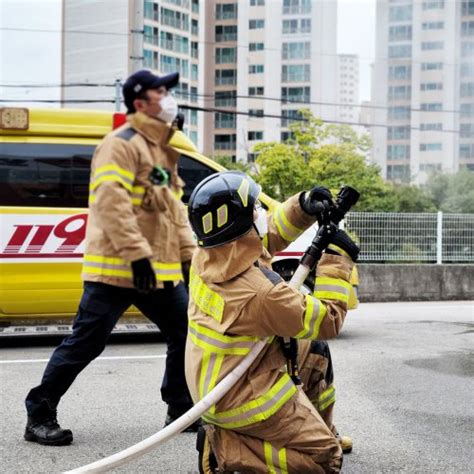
118	87
136	36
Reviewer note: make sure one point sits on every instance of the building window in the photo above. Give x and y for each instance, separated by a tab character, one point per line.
226	11
467	49
399	51
193	136
467	28
172	42
194	72
194	28
430	167
256	24
151	10
257	3
398	152
433	5
431	126
150	59
467	110
225	142
296	7
225	98
284	136
399	72
399	92
467	130
225	77
296	94
296	50
175	19
182	90
222	120
432	106
398	173
467	89
256	69
468	7
194	50
432	25
194	117
431	66
256	91
256	112
296	73
290	116
398	133
255	136
431	86
430	45
296	26
194	94
399	33
256	47
226	33
172	64
431	146
399	112
466	150
226	55
400	13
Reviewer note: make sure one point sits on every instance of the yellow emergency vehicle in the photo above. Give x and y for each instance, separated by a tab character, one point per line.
45	159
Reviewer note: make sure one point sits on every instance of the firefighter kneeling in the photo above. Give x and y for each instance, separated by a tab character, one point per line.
265	423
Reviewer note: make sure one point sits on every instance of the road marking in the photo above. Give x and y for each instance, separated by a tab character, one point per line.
33	361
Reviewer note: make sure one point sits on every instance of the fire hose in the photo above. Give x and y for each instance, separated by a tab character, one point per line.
328	218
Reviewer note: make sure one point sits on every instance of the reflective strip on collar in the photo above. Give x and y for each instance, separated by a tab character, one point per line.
327	398
275	459
328	288
217	343
112	173
313	317
285	228
256	410
208	301
115	266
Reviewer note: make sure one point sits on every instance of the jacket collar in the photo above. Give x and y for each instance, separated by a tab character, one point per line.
223	263
153	129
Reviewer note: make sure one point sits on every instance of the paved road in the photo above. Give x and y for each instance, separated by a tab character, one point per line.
404	376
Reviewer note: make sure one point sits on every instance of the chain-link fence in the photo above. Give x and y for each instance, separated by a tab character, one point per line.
414	237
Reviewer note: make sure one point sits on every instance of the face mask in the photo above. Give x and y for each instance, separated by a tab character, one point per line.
260	223
169	109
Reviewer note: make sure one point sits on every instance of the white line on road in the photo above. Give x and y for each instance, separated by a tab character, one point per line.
32	361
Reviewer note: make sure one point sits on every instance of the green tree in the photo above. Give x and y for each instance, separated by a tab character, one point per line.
454	192
227	162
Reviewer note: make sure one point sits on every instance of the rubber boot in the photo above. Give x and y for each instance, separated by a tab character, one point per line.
207	460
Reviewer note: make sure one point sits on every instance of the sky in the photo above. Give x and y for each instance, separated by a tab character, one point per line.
34	57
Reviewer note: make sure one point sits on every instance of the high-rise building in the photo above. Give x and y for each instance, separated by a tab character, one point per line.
266	58
261	57
348	109
106	41
423	88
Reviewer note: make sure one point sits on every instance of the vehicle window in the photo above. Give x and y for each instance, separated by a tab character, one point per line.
192	172
44	175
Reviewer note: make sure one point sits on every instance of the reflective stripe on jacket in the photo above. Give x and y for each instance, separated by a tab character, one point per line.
129	218
235	300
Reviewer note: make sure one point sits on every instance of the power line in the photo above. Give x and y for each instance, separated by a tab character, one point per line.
211	97
223	111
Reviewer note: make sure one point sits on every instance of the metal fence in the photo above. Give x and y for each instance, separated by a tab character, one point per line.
414	237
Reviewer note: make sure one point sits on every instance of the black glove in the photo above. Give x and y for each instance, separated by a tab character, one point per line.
342	244
316	200
186	267
144	279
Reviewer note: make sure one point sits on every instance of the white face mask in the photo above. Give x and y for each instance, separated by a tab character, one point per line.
169	109
261	223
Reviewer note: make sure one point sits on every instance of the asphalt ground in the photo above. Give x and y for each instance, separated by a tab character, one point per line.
404	377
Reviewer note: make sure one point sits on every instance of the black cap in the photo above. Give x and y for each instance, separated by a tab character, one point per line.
144	80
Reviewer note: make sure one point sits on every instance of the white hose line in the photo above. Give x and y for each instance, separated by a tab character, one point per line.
192	415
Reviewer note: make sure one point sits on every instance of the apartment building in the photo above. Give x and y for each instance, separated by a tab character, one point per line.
106	41
267	58
348	88
424	88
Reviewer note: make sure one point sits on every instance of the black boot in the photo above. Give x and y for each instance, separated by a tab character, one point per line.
207	460
47	431
175	411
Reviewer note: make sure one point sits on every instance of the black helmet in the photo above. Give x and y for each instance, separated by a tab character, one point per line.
221	207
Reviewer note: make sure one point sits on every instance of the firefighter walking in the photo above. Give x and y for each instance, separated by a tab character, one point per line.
265	423
138	245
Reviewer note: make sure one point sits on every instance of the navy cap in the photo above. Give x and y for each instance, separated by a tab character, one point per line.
144	80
